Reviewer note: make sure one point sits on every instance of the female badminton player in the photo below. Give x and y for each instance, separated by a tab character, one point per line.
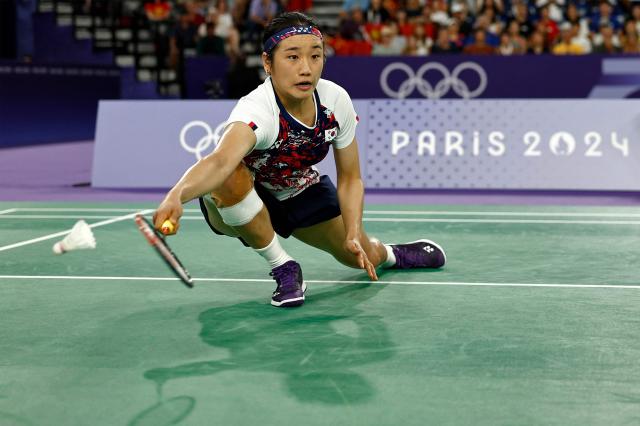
261	180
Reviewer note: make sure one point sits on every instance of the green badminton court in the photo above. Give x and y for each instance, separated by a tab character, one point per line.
534	320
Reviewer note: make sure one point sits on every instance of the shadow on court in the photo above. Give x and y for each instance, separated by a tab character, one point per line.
315	348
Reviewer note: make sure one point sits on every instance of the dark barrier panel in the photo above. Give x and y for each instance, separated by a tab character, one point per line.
42	104
57	45
461	76
499	77
206	77
465	76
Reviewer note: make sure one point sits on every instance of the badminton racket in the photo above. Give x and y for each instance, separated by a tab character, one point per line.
157	241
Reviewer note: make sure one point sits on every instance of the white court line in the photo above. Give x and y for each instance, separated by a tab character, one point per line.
531	221
7	211
371	212
376	219
59	234
494	213
54	216
258	280
74	209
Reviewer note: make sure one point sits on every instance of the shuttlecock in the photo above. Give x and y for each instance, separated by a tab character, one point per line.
81	237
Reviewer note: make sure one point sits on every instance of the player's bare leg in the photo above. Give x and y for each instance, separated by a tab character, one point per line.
330	236
237	211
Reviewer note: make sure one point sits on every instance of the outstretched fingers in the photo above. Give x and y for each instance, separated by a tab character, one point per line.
363	260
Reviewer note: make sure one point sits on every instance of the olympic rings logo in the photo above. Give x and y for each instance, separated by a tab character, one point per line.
202	145
450	80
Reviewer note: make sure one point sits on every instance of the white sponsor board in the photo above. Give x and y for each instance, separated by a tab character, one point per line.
403	144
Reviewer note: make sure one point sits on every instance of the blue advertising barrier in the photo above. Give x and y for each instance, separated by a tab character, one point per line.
469	77
206	77
404	144
48	103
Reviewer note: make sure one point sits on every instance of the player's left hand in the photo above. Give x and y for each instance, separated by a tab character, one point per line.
353	246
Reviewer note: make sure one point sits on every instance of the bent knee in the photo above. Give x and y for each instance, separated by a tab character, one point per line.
216	221
235	188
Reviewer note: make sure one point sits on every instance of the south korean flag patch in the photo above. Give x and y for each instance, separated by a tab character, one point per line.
330	134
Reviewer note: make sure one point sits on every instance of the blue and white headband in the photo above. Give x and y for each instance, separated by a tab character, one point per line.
288	32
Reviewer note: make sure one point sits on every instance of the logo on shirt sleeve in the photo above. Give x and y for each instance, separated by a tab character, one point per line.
330	134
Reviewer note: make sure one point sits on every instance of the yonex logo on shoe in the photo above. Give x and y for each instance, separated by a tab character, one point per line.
428	249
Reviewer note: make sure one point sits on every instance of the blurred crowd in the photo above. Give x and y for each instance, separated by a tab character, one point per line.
488	27
216	27
411	27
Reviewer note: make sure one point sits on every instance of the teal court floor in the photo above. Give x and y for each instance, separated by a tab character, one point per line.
534	320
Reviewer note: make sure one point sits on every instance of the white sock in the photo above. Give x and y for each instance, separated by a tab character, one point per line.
391	258
274	253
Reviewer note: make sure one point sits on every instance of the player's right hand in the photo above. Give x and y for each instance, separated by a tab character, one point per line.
170	209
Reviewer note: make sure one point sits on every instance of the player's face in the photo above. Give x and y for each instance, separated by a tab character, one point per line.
296	66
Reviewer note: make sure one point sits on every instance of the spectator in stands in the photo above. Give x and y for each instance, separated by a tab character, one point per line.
352	27
573	17
497	6
505	48
479	45
565	44
519	42
521	16
583	41
194	12
455	37
604	15
413	9
412	47
585	7
443	45
349	5
606	41
493	25
405	28
483	22
211	44
629	38
547	26
422	40
635	16
424	20
460	14
555	8
625	6
299	5
182	37
439	12
261	12
224	27
240	14
537	44
397	39
376	13
157	10
387	45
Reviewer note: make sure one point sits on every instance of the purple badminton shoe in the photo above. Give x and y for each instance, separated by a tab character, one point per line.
418	254
291	287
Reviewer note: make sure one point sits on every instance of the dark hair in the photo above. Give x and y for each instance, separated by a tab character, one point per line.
285	20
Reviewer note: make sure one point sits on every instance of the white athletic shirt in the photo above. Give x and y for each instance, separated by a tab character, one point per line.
286	150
